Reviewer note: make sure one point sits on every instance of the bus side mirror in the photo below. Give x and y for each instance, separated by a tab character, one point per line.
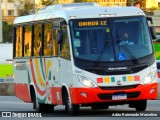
59	36
150	19
153	32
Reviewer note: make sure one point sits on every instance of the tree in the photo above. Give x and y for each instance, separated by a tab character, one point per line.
47	2
24	7
132	2
79	1
27	7
7	32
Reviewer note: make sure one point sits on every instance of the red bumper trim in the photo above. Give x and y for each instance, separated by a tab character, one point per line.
92	94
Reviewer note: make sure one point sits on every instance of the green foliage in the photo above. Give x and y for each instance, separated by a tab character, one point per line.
79	1
153	8
24	8
47	2
7	32
132	2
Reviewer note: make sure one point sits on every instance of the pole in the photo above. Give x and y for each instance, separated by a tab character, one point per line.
1	35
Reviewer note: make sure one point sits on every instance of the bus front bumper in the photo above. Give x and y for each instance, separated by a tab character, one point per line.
98	95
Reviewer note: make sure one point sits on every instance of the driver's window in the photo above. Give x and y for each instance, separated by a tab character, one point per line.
55	45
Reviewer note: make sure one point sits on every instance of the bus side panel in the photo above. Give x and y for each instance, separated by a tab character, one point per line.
45	77
56	95
21	79
158	82
22	92
158	91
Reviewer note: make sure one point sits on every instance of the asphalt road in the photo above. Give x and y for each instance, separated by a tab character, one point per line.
14	105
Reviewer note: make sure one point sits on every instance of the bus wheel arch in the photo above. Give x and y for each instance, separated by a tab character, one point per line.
40	107
34	100
72	109
32	93
64	95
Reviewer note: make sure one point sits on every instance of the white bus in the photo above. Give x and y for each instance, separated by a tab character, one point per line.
76	55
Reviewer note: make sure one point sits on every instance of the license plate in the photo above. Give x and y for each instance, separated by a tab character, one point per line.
119	97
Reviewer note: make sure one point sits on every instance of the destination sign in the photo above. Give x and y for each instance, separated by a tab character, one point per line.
91	23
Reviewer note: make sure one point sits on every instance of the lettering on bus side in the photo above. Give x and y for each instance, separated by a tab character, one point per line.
21	66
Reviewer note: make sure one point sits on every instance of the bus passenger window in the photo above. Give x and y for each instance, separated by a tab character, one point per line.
55	45
65	52
47	39
37	40
27	41
18	42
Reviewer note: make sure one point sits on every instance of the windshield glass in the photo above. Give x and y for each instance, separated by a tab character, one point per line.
106	38
131	36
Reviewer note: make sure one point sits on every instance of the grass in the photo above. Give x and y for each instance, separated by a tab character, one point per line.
6	70
158	33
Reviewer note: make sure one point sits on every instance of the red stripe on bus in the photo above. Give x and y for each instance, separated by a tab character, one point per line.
34	80
54	92
22	91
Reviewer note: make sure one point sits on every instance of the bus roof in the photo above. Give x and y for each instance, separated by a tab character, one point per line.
78	10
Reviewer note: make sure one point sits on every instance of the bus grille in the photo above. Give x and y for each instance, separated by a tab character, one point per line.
118	87
109	96
103	71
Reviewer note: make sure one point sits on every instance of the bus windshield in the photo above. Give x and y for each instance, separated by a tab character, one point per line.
110	39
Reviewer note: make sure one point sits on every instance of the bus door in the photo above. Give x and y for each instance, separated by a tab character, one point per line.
55	69
55	58
65	67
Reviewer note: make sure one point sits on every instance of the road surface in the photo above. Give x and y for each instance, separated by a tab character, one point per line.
14	105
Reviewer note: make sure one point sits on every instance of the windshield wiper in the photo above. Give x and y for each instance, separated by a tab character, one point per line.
102	52
135	60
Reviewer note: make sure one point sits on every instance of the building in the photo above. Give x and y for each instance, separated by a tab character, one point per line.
6	52
156	20
10	9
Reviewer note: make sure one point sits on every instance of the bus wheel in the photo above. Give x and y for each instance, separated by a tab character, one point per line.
37	105
48	108
141	105
72	109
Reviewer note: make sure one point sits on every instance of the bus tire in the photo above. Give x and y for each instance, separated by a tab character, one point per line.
39	107
43	108
141	105
72	109
48	108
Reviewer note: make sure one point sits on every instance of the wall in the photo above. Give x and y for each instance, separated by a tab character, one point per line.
6	52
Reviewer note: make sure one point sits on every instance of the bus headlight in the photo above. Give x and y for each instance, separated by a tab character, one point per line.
86	82
149	78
